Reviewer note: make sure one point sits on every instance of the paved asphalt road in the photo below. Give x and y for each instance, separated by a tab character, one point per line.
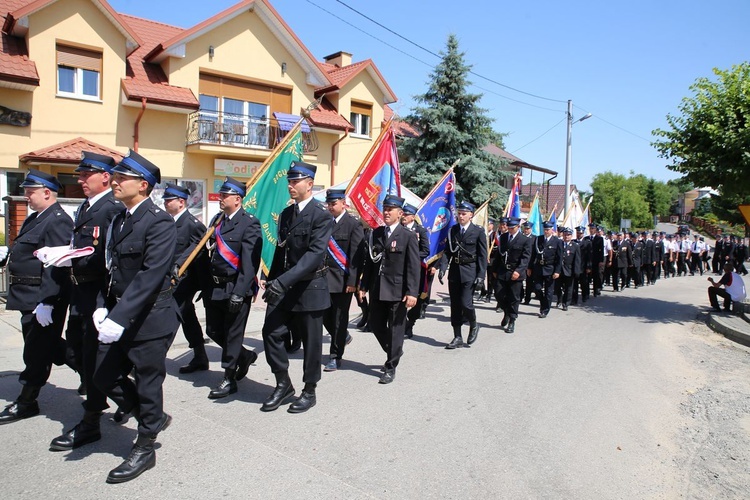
630	396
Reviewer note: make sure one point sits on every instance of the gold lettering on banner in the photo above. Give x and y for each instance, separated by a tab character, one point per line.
269	236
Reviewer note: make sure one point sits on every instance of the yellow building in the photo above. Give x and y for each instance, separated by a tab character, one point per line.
201	103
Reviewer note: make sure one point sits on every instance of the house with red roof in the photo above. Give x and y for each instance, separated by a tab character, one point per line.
201	102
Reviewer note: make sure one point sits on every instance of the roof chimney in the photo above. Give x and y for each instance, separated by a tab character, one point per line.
339	59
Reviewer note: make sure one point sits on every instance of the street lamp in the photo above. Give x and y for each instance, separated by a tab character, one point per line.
568	154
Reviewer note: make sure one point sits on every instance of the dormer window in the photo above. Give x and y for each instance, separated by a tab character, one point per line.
79	73
361	118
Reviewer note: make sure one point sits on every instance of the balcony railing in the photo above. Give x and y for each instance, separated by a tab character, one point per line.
252	132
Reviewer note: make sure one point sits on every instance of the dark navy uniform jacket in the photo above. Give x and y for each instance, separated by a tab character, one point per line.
466	254
348	234
298	259
139	297
241	233
397	273
547	257
512	256
571	259
50	229
189	233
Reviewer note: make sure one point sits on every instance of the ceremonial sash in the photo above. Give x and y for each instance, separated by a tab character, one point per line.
226	253
338	255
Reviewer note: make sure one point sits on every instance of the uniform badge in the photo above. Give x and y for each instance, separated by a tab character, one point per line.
95	234
393	246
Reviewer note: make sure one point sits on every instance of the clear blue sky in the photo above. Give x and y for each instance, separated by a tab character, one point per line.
628	63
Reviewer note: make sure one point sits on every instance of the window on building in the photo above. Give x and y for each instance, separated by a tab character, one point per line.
361	117
79	73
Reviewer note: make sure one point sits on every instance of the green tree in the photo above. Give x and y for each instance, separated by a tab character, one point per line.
618	197
453	127
709	142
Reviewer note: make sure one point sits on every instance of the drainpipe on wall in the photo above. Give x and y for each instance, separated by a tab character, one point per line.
137	123
333	154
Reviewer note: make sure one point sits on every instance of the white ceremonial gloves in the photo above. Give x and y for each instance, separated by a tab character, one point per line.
109	331
43	314
99	316
3	252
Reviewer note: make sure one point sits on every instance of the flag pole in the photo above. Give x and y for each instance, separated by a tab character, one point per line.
377	142
447	172
283	144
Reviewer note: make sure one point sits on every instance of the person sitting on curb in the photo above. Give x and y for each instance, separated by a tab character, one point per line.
733	291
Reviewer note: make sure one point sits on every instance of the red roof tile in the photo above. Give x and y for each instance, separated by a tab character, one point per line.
326	115
15	64
148	80
340	76
555	197
496	150
69	152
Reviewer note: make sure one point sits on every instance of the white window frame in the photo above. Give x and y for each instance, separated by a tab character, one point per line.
356	119
78	85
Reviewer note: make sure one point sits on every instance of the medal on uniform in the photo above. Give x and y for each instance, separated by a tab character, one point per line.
393	246
95	234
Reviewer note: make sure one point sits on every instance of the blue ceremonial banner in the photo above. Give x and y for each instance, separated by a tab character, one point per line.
553	219
535	217
437	214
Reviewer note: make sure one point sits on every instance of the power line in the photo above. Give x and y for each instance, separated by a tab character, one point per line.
514	100
438	56
543	134
615	126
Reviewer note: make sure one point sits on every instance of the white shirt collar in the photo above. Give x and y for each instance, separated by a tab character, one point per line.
99	196
232	214
131	211
175	217
341	216
303	204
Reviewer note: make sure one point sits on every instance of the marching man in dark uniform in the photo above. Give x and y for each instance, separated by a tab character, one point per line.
297	290
391	277
236	247
39	293
189	233
546	259
624	260
582	280
343	260
570	266
89	277
408	220
137	316
466	253
509	269
635	270
597	258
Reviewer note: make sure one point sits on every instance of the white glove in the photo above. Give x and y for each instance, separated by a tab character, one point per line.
99	316
3	252
43	314
109	331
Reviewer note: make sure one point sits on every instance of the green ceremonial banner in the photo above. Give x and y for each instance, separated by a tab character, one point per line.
269	195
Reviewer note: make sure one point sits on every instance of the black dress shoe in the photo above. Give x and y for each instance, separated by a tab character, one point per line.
247	358
408	333
349	339
83	433
526	302
497	308
142	458
304	402
564	307
225	388
18	411
542	314
388	377
281	395
195	365
505	321
82	390
473	332
511	327
456	342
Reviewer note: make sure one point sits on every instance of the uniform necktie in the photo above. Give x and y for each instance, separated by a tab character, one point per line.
387	232
84	208
462	232
295	213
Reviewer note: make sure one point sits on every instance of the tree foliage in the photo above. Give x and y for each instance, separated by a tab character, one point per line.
636	197
709	142
453	127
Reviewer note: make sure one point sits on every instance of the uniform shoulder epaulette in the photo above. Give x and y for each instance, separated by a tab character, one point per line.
321	205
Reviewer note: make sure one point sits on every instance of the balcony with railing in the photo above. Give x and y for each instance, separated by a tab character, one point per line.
242	131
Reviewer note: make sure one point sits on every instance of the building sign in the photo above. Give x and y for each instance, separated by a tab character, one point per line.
235	168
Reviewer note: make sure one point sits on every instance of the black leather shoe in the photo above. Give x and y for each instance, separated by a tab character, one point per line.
247	358
281	395
82	390
304	402
362	322
142	458
511	327
226	387
166	420
83	433
456	342
543	315
388	377
18	411
194	366
505	321
294	346
473	332
526	302
408	333
564	307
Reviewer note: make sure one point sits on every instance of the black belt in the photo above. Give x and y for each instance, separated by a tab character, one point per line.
223	279
24	280
77	279
466	260
163	295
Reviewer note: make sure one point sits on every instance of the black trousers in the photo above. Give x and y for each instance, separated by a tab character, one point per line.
716	264
43	346
582	282
544	286
621	277
146	358
336	322
597	273
566	283
425	285
226	329
308	325
682	263
191	327
528	288
462	305
714	291
696	263
509	296
634	273
388	322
